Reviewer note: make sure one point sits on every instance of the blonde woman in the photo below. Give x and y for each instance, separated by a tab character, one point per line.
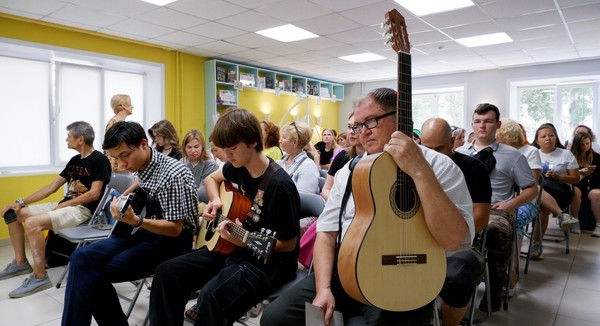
121	106
196	158
295	137
325	148
165	139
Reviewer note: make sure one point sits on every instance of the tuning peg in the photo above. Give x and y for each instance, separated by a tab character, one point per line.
269	232
262	230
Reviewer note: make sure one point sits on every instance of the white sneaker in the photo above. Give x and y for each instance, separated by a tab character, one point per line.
596	232
566	221
576	229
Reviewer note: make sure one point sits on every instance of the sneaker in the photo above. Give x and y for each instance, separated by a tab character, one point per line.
30	286
596	232
537	252
566	221
12	269
576	229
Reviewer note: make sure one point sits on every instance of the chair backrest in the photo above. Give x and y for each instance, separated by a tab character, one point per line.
121	181
118	182
323	173
202	195
311	204
321	183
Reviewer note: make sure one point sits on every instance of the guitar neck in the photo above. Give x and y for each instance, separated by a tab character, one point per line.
405	122
239	232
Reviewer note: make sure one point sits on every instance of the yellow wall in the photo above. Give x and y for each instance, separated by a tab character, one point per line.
184	83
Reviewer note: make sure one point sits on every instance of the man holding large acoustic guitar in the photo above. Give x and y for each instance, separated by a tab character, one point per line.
237	265
445	208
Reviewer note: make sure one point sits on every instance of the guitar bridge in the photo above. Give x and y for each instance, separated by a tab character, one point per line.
403	259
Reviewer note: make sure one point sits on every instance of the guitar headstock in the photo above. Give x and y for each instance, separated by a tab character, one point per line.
396	32
261	243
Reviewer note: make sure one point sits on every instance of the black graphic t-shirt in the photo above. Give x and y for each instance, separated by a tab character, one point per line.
81	173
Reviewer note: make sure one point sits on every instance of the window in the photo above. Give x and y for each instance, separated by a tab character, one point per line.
565	105
42	91
447	103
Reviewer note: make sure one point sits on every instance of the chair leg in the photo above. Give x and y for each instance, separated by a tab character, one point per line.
135	297
528	256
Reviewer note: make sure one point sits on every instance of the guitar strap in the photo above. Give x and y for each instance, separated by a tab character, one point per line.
257	202
345	197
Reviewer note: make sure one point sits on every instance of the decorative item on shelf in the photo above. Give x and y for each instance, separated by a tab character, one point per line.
230	76
238	85
325	92
287	86
269	83
227	97
277	91
221	74
261	84
297	86
247	79
219	100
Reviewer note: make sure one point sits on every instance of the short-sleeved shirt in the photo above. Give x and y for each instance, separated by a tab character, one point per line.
82	172
172	185
304	172
560	160
476	177
448	174
326	156
511	169
279	213
532	155
201	170
338	162
273	152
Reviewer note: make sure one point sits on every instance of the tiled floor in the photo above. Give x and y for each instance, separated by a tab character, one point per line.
561	290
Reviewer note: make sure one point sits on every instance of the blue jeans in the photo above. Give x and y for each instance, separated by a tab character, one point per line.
230	287
93	269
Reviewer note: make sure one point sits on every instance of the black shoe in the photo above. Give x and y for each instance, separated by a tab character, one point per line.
484	307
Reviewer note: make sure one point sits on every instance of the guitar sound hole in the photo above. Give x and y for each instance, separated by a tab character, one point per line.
210	231
405	202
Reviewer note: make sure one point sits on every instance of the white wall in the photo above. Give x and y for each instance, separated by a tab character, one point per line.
491	86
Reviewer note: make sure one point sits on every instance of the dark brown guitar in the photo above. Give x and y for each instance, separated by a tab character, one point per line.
235	205
388	257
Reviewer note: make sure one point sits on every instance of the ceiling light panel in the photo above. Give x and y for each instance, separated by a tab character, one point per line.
483	40
427	7
362	57
287	33
159	2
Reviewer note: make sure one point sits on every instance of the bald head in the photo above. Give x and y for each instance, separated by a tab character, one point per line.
436	135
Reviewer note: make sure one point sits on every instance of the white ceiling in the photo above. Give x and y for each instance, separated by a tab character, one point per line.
544	31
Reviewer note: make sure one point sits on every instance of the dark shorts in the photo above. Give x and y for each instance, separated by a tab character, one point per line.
463	271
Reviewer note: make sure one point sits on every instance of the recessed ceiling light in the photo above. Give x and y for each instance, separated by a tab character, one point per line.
482	40
287	33
362	57
159	2
426	7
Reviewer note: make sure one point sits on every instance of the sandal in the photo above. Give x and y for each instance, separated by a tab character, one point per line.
190	314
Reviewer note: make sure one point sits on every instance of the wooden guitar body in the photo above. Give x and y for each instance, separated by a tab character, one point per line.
388	257
235	205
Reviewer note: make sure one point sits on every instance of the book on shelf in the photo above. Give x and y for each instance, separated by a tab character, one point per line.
247	79
325	92
230	76
221	74
226	97
262	82
269	83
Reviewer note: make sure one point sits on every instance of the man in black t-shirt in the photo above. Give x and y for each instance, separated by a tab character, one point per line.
86	175
436	134
233	283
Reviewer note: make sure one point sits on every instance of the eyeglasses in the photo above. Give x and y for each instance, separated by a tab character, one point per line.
370	123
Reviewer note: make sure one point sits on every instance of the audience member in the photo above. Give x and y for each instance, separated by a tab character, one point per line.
342	140
270	134
232	284
511	134
325	148
448	214
459	137
346	155
506	168
121	106
584	128
165	139
471	137
217	153
86	175
560	171
589	185
295	136
167	190
196	158
461	275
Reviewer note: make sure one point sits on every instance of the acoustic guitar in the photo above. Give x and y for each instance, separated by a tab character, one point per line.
388	257
235	205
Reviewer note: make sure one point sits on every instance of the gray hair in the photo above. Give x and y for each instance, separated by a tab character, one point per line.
82	129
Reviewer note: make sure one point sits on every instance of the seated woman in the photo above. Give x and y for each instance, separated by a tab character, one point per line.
295	137
459	137
343	157
196	158
325	148
270	134
560	170
510	133
589	186
165	139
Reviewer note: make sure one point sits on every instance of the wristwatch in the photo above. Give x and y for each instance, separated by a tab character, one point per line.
21	202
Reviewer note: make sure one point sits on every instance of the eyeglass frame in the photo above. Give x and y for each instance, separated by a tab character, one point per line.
357	127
